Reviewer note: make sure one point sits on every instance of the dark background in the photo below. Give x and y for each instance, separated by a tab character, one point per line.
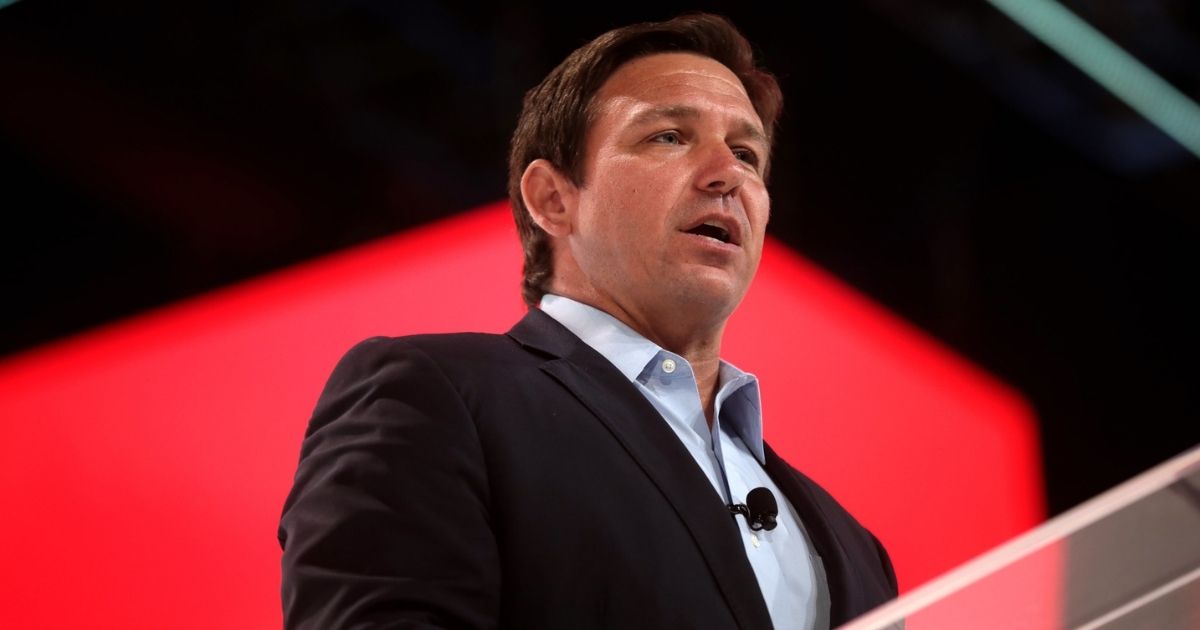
932	154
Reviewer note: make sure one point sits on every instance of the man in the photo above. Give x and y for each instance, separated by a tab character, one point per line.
578	472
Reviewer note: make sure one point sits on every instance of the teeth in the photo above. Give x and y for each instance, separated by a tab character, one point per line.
712	229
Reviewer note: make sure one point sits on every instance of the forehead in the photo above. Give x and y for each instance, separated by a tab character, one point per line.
674	78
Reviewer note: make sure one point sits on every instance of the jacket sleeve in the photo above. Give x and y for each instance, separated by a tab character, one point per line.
885	562
387	525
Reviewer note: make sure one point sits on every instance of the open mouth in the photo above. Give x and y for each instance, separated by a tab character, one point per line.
712	231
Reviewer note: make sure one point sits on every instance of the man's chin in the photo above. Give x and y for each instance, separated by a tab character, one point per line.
715	293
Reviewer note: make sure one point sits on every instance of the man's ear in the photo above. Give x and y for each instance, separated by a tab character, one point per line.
550	197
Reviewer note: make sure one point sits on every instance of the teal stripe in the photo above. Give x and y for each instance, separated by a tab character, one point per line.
1119	72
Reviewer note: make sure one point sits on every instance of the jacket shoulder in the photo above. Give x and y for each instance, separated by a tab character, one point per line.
474	365
438	348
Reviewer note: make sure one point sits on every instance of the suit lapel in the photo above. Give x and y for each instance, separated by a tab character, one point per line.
637	426
842	582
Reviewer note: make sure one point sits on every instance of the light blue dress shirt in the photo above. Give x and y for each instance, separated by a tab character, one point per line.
730	454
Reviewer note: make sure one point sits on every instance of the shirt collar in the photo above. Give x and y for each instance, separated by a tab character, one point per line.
738	397
620	344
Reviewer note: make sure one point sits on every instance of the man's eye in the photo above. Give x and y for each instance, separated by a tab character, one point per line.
747	156
669	137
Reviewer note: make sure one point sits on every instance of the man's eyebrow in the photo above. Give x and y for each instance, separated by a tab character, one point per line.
751	131
665	111
682	112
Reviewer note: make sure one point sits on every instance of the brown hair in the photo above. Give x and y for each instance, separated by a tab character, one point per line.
556	113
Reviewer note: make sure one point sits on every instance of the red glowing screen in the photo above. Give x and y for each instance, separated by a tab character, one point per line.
143	465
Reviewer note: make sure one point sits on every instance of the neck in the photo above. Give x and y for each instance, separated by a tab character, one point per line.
691	338
707	373
703	353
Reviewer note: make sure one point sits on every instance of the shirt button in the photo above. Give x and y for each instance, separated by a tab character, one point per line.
668	365
754	540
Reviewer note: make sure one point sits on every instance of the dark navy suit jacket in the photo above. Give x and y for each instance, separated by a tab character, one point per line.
521	481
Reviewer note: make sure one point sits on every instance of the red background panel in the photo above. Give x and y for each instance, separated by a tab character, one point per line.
143	465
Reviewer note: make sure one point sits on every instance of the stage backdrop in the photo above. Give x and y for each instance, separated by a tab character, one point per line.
143	465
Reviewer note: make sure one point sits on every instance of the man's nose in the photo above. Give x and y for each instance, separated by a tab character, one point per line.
721	171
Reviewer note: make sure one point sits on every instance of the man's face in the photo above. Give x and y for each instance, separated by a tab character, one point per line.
672	212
